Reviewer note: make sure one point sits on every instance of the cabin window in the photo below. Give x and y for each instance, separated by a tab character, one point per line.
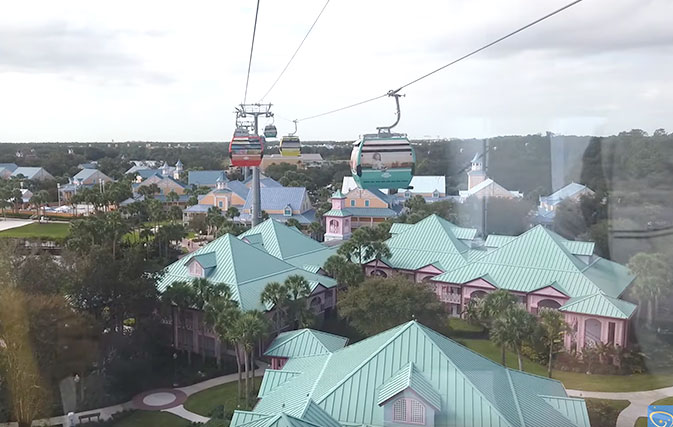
409	411
367	203
352	202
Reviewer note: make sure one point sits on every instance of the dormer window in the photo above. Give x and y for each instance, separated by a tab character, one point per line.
287	211
407	194
195	269
435	194
409	411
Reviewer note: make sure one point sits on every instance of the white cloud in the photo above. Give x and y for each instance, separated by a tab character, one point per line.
158	70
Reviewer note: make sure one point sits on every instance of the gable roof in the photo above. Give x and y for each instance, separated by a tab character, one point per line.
205	178
244	268
470	389
600	305
432	240
9	166
409	377
277	198
280	240
304	342
563	193
239	188
31	172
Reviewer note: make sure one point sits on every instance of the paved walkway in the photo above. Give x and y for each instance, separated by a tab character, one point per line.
9	223
639	402
166	400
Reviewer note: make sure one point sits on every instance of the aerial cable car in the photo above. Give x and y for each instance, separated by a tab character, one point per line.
246	149
290	146
270	131
383	160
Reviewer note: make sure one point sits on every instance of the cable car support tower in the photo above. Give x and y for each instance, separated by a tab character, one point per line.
243	113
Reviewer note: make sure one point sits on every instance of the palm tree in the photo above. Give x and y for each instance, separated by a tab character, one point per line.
224	315
365	244
513	329
233	212
343	271
182	297
275	296
299	290
251	327
496	305
553	327
316	230
172	196
653	278
116	226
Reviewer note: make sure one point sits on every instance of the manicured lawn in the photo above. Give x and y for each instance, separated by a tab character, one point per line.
641	422
603	412
145	418
664	401
51	231
576	380
206	401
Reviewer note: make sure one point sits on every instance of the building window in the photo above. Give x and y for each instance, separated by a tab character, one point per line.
435	194
379	273
195	269
366	203
220	203
288	211
407	194
409	411
352	202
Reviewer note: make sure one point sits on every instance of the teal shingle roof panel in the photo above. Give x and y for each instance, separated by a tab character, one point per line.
315	414
496	240
206	260
577	247
273	379
398	227
573	409
339	213
282	241
600	305
304	342
612	278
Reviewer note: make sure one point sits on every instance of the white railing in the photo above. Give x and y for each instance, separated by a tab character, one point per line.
450	298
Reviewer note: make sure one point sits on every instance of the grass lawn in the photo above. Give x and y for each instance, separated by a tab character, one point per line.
576	380
603	412
146	418
204	402
641	422
664	401
52	231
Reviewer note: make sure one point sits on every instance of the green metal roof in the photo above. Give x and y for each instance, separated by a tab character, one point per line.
496	240
304	342
313	415
576	247
371	212
289	244
572	408
410	377
337	213
399	227
600	305
273	379
433	240
472	390
244	268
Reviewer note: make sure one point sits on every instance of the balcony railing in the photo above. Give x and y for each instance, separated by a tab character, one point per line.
450	298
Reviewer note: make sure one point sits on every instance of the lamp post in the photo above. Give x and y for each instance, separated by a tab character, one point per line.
58	191
175	369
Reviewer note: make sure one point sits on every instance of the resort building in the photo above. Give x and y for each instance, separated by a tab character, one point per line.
246	269
430	187
6	169
539	267
480	186
408	375
86	178
304	160
208	178
281	203
573	192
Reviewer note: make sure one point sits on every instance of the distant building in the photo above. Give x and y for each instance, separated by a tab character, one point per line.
546	211
165	183
408	375
306	160
480	186
430	187
207	178
86	178
7	169
32	173
281	203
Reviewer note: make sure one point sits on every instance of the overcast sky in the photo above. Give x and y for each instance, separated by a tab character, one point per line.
173	71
